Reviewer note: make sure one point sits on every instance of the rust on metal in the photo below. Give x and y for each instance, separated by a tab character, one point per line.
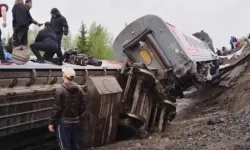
100	121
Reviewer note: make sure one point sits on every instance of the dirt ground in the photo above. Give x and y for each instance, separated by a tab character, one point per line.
211	119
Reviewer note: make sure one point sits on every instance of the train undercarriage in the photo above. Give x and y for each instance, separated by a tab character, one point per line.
128	98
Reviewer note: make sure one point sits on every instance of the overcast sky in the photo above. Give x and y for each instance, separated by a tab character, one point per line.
220	18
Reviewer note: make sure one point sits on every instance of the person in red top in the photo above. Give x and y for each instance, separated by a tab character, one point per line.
3	13
237	44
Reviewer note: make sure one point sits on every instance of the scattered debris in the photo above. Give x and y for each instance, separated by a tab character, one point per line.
220	122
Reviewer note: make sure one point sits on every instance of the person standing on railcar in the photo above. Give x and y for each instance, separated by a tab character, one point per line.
22	19
234	42
60	25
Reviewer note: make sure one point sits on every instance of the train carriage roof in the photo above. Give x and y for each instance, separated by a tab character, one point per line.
106	64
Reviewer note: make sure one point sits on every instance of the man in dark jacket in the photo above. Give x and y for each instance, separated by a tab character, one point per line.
45	41
22	19
60	26
69	104
3	13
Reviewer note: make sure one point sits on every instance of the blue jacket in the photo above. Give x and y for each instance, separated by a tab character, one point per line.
233	39
7	55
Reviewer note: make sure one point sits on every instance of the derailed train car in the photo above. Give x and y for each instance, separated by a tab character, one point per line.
158	63
161	46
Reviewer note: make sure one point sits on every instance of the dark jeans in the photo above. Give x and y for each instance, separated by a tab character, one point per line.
48	48
20	36
2	58
68	136
59	41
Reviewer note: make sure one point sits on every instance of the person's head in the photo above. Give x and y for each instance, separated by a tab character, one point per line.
19	2
224	48
68	74
28	3
47	24
54	12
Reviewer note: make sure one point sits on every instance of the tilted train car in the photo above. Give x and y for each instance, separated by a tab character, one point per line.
160	45
158	63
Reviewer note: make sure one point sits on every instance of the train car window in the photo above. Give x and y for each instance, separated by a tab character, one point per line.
196	44
177	37
193	42
204	45
188	41
200	45
207	47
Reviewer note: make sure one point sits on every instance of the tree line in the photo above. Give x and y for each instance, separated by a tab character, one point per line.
94	41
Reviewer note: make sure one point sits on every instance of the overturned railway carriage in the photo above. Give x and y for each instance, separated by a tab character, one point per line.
159	45
158	62
26	98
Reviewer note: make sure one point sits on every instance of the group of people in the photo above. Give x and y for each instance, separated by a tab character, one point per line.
48	39
69	102
234	42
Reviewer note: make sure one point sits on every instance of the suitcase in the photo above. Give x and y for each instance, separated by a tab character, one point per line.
20	55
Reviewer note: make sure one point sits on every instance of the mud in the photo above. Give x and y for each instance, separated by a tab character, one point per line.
209	119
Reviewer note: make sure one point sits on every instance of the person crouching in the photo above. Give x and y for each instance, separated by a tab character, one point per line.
46	42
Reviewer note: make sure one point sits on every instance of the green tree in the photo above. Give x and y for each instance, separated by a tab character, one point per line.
81	40
243	40
100	42
32	34
67	42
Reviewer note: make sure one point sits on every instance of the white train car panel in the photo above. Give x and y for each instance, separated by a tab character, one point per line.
196	49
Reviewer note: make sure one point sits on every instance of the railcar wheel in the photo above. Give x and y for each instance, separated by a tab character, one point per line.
146	76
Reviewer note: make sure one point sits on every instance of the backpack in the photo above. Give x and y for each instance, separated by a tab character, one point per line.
20	55
68	55
80	59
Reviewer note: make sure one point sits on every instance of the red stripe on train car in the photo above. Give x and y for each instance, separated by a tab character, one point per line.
182	38
114	62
